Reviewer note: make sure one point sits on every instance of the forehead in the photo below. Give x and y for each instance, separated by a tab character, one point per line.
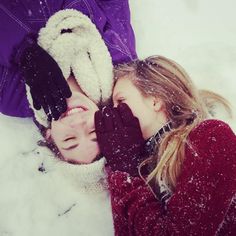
123	84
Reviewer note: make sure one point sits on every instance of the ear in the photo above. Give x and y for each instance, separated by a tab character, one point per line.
157	104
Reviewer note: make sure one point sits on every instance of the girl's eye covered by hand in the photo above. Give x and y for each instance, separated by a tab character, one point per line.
120	100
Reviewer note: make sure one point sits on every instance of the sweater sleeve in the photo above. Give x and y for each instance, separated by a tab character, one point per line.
202	196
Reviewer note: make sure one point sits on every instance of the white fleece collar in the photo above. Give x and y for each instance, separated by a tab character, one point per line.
85	177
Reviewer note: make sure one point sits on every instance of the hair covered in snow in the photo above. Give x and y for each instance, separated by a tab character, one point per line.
184	104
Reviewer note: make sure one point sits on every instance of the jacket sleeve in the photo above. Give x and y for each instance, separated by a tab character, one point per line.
118	32
13	101
202	196
12	32
18	20
112	19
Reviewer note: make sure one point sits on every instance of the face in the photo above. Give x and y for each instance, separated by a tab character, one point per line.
74	132
147	109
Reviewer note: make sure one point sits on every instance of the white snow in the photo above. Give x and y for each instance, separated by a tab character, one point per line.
200	35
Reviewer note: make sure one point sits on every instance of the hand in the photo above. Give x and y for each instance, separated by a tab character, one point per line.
48	87
120	138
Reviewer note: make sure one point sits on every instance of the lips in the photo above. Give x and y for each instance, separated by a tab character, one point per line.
74	110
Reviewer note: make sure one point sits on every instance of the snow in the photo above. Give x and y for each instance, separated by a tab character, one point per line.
200	35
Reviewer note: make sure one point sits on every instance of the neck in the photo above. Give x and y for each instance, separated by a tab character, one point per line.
160	121
151	143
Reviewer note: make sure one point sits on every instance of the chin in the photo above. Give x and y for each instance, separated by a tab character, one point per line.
83	160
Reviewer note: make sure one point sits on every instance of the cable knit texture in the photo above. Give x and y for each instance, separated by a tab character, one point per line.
203	202
85	177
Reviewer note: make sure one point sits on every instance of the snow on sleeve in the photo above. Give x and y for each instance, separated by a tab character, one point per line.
202	196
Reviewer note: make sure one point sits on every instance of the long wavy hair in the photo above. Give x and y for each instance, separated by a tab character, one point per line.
185	107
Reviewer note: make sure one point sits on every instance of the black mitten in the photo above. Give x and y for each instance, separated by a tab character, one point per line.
42	74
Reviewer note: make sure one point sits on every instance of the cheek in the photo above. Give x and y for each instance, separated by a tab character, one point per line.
84	154
55	136
57	130
136	107
144	113
88	153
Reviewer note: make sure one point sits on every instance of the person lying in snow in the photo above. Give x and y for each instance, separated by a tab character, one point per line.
191	186
22	19
65	190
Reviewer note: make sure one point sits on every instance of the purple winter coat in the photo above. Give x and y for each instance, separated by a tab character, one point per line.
18	18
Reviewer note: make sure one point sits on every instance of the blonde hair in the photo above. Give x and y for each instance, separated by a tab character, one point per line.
185	106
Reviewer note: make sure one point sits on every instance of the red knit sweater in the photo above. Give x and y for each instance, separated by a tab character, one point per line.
202	203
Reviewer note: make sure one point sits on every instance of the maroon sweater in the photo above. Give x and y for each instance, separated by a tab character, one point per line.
203	202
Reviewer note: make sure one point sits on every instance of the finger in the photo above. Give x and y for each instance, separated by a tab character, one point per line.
98	117
136	123
55	101
45	107
117	121
63	86
54	107
108	119
36	102
60	101
49	103
126	114
49	118
62	107
67	92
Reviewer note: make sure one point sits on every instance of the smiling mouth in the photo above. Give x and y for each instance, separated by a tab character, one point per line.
74	110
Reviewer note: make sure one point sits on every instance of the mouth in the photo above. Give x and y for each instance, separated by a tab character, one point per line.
74	110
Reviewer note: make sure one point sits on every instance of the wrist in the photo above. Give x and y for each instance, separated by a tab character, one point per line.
28	41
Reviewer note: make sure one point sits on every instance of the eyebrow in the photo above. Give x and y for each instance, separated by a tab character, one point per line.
71	147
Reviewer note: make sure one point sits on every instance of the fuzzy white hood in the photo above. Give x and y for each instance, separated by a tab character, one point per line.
81	51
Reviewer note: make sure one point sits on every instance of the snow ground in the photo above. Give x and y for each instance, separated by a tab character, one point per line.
198	34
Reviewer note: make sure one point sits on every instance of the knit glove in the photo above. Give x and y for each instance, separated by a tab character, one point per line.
120	138
48	87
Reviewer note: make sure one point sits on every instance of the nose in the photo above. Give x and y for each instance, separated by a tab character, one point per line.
78	123
75	122
85	123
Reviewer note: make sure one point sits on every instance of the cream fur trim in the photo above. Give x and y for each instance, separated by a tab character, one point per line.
82	51
86	177
39	115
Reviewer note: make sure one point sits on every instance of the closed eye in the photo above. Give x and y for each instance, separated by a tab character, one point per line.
71	147
70	141
92	133
69	138
120	100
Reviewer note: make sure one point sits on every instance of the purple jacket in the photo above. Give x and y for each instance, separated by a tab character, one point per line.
18	18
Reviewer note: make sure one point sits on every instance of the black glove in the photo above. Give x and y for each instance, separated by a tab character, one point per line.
42	74
120	138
